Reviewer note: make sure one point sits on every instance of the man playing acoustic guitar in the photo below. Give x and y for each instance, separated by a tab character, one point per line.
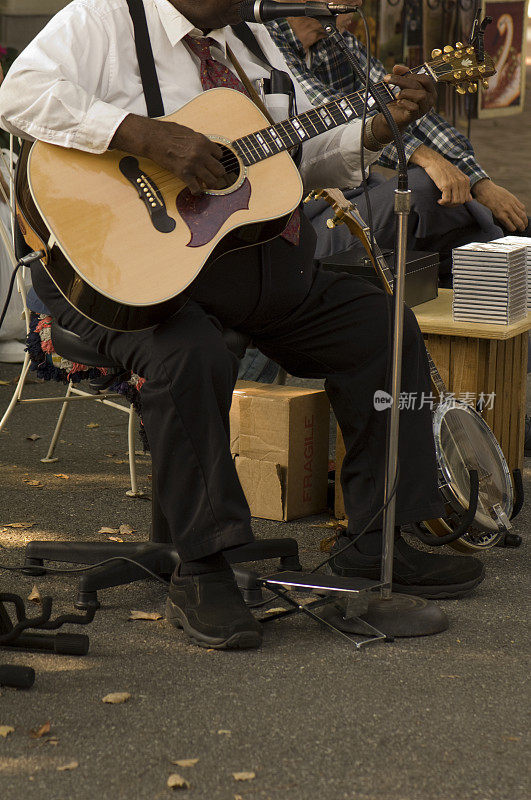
78	86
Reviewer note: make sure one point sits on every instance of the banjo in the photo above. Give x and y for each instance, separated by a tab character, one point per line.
469	459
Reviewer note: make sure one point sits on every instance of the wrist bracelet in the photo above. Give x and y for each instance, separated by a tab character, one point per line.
372	141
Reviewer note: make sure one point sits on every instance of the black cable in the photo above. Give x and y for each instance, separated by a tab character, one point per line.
23	262
366	194
9	293
27	569
365	529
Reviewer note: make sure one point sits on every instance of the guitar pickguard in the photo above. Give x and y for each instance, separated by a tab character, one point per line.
205	214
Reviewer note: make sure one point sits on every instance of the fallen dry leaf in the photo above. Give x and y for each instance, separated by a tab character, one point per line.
19	524
115	539
116	697
511	738
186	762
125	530
221	732
33	437
53	741
244	776
61	475
38	733
175	781
70	765
275	610
238	797
150	615
326	544
4	383
35	596
93	425
5	730
108	530
32	483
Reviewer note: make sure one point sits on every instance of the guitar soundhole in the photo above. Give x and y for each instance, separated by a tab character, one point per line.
232	166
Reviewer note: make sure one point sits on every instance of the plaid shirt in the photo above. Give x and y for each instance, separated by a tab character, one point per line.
330	76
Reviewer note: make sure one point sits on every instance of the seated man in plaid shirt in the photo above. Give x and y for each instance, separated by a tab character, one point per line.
453	199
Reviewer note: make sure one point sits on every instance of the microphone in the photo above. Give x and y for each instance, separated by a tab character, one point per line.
265	10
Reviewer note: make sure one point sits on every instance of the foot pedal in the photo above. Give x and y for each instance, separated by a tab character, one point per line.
320	584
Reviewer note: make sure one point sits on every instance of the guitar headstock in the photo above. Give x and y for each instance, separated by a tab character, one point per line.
460	67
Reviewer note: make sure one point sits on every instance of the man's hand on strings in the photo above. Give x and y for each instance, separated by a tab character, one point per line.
417	96
188	154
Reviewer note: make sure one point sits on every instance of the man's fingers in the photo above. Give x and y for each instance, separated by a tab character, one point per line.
408	105
411	81
446	197
516	219
522	216
214	166
506	221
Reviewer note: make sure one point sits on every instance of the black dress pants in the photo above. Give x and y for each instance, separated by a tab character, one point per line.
315	324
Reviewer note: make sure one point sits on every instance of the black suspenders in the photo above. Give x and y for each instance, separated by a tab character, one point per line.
146	62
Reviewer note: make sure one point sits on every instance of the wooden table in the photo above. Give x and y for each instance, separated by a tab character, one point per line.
473	358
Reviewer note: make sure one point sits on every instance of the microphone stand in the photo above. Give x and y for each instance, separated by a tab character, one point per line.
395	615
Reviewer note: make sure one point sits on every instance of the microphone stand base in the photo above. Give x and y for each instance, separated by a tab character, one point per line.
400	615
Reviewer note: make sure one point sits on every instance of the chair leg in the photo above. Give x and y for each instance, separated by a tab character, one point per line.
131	429
49	457
17	393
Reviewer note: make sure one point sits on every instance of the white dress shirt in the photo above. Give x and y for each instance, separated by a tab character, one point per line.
79	78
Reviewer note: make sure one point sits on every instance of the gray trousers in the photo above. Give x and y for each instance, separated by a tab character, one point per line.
431	227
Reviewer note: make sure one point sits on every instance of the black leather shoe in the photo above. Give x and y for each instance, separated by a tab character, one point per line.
211	611
414	571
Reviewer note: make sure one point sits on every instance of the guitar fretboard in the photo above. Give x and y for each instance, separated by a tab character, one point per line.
296	130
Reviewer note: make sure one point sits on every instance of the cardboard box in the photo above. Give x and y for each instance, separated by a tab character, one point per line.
282	449
239	391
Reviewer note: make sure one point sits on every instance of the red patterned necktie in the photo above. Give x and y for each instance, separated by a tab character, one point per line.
214	74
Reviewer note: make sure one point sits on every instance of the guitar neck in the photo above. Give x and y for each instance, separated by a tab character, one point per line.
294	131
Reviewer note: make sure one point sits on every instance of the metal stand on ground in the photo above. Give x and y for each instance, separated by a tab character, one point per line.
396	615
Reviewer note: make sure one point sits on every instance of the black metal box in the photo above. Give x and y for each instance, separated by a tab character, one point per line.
422	271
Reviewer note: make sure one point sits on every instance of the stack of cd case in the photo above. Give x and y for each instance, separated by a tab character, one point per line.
490	283
522	241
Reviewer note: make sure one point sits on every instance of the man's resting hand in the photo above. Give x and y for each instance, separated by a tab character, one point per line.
453	184
188	154
505	206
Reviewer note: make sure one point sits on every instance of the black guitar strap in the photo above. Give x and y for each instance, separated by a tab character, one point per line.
146	61
243	32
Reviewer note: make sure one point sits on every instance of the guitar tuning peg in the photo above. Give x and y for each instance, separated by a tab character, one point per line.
448	49
470	72
436	53
485	83
472	88
460	89
459	45
470	51
333	221
458	74
482	68
311	196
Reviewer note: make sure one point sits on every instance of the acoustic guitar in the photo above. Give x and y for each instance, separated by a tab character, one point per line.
463	440
124	237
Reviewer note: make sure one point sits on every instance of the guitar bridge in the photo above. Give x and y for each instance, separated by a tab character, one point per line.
149	193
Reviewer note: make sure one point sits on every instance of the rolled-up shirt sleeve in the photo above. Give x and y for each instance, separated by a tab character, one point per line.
334	159
52	90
